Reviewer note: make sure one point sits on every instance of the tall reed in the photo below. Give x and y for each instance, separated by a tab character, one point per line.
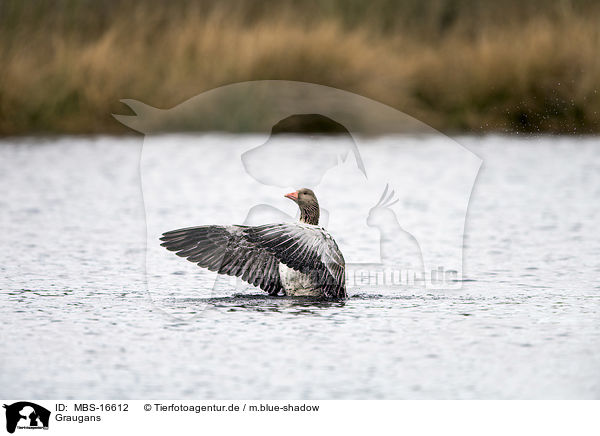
458	65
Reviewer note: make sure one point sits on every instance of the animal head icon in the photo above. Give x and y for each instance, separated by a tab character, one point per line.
381	213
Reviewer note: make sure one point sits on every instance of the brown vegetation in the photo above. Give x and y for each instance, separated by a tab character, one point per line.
456	65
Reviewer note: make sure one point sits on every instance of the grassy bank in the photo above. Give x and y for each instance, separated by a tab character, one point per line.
530	66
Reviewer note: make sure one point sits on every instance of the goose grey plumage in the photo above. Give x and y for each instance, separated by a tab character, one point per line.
300	259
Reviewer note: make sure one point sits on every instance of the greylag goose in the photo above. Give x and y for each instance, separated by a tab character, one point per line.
298	259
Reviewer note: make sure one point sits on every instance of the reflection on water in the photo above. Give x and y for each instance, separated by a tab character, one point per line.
525	324
180	307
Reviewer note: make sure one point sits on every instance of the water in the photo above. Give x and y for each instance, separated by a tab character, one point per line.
78	322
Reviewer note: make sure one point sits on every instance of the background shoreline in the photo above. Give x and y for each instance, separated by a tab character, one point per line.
458	66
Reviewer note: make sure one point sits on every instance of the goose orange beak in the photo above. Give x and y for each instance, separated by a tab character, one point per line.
292	195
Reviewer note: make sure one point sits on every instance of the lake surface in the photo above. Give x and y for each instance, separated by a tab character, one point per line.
80	319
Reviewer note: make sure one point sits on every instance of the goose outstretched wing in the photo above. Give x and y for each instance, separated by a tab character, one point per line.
253	253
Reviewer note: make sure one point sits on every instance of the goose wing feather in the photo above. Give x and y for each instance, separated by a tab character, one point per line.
254	253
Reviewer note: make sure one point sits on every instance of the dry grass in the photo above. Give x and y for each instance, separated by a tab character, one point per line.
65	69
